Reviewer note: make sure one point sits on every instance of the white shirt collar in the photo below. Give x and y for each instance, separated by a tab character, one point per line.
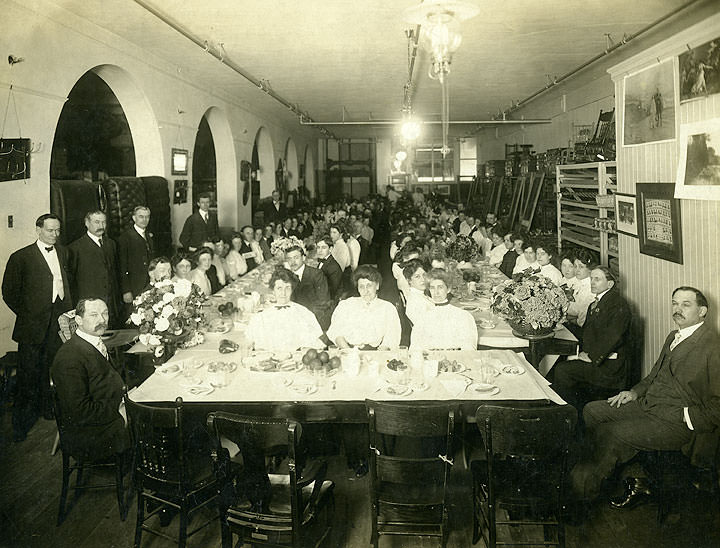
92	339
139	230
43	245
685	332
94	238
600	295
299	272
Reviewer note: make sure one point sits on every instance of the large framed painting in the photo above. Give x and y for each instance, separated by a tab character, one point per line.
649	105
626	214
659	224
698	174
700	71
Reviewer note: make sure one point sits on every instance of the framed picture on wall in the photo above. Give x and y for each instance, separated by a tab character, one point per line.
698	174
179	162
700	71
659	224
443	190
626	214
649	105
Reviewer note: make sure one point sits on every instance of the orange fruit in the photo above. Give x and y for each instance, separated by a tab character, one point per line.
334	362
312	353
306	359
315	364
324	357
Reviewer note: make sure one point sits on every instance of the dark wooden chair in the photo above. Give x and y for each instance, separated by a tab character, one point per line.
293	509
77	459
171	473
409	461
523	473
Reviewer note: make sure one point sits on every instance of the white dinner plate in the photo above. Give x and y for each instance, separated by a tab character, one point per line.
513	370
485	389
303	389
398	390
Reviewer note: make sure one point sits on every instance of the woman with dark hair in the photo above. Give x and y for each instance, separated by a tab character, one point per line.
201	262
235	261
545	255
365	321
181	266
286	325
340	251
499	248
413	287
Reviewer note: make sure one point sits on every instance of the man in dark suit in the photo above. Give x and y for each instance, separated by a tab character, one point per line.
275	211
135	250
36	288
89	390
676	407
93	266
329	266
312	291
201	226
601	368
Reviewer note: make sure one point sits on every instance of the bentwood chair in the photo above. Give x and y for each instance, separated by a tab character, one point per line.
520	481
293	509
409	461
77	457
171	473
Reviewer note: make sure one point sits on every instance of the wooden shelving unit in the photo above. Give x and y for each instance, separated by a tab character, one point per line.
577	187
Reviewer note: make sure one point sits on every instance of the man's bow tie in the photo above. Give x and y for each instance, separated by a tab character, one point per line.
49	249
321	261
280	307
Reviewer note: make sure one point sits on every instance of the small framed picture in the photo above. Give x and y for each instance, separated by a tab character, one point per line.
659	223
443	190
626	214
179	163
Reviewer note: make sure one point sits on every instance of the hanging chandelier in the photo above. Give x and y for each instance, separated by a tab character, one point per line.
440	36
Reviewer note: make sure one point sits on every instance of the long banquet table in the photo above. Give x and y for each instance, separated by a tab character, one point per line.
297	392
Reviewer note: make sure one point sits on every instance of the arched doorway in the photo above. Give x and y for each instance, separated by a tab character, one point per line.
263	169
105	129
204	166
292	174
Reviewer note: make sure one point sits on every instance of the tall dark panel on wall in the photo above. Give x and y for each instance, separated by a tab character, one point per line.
157	195
123	194
71	200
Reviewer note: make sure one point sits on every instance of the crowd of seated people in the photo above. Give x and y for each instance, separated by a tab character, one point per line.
329	291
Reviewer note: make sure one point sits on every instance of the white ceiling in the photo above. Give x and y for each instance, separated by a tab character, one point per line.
350	56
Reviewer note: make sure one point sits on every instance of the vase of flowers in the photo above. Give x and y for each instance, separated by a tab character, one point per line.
168	316
280	245
530	303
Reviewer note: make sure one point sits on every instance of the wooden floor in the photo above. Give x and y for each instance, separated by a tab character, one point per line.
30	488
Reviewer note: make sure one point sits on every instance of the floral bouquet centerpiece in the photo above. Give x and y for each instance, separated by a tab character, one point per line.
168	315
463	249
281	245
532	304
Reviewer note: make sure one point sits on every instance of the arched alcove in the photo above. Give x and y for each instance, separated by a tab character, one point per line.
229	201
291	165
263	165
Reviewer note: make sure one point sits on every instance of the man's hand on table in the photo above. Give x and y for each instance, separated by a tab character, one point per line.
623	397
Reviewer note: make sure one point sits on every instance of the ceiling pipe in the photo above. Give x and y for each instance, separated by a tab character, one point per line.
397	122
608	51
261	85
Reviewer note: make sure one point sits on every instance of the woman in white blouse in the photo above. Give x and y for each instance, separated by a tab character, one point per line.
365	321
528	259
500	247
340	250
545	253
584	263
416	302
567	268
235	262
202	261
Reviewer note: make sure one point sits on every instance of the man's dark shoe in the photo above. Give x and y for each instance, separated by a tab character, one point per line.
637	491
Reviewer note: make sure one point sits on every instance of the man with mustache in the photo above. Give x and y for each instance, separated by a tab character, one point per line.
93	266
676	407
88	388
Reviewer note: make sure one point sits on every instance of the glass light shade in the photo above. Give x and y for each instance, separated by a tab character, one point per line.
401	155
441	37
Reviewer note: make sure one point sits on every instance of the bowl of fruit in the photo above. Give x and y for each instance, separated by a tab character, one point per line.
320	362
396	372
226	309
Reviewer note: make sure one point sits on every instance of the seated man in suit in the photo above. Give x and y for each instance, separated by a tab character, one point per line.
676	407
513	254
312	290
89	390
329	266
601	368
201	226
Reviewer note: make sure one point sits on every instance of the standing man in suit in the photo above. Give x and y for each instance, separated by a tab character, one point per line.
93	266
135	251
201	226
676	407
601	368
275	211
329	266
88	388
312	291
36	288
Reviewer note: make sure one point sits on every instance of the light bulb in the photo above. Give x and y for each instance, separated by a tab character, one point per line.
410	130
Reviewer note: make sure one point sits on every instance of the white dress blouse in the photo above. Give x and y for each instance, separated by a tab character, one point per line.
361	323
497	253
236	264
341	253
445	327
417	304
200	279
552	272
522	264
583	297
285	328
